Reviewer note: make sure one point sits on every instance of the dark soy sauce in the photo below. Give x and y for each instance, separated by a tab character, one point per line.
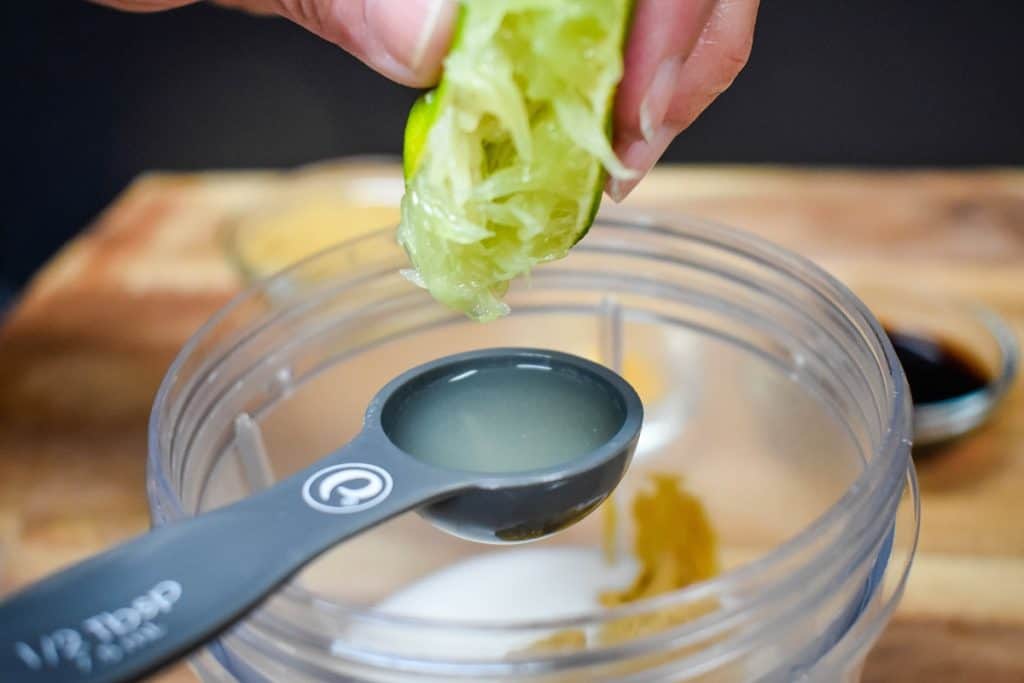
936	369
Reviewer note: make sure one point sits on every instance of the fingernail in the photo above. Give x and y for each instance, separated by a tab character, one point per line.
657	100
617	190
409	30
641	156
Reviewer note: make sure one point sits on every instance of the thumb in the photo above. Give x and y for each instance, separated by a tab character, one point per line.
406	40
143	5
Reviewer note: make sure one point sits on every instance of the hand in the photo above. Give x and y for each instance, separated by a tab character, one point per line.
681	54
405	40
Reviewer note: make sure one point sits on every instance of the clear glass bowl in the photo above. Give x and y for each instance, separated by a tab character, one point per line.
768	387
967	326
312	209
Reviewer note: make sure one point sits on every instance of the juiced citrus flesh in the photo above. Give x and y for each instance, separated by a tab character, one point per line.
505	161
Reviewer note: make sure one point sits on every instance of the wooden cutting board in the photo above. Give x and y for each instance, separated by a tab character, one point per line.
83	352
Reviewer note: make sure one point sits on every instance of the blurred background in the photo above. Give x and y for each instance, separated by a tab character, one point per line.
95	97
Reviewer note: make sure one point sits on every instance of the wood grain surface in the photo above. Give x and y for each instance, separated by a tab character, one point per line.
82	353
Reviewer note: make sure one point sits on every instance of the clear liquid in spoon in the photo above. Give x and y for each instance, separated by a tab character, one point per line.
505	419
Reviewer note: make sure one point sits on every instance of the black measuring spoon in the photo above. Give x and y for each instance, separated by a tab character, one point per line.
127	612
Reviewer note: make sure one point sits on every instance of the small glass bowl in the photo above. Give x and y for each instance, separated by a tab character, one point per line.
315	208
966	326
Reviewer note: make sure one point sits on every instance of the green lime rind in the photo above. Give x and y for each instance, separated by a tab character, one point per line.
609	131
421	116
424	113
505	162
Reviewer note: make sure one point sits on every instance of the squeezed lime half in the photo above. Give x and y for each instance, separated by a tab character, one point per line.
505	160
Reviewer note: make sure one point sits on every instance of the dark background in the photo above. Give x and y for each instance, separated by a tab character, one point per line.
92	97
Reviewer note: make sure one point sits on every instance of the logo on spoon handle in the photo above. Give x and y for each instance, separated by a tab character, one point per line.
347	488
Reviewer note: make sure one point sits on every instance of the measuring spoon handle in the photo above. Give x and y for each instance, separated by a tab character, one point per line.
127	612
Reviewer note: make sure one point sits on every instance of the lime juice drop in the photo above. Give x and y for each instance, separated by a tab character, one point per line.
505	419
